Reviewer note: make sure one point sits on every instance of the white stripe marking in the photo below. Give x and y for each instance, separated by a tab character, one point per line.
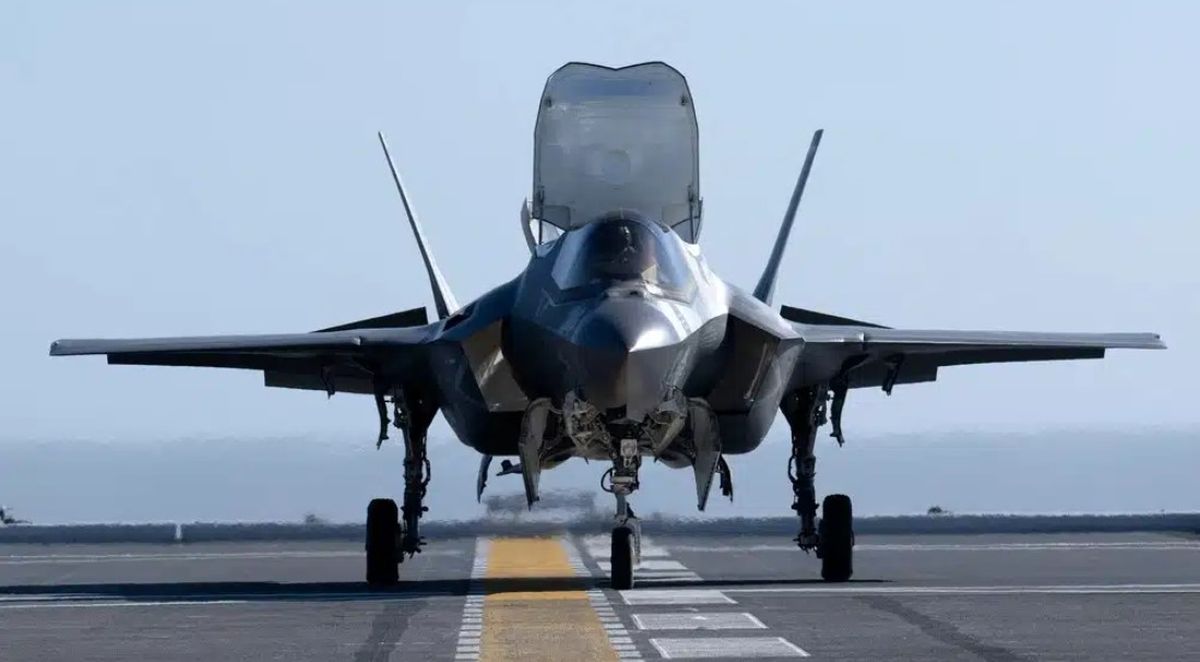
648	565
685	596
737	647
155	603
698	621
968	547
981	590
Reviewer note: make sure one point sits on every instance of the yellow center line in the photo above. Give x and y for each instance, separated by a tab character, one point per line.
535	608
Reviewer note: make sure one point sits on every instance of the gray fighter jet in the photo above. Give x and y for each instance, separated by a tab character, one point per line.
617	342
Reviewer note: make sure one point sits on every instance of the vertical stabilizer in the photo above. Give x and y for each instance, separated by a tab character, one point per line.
443	298
766	284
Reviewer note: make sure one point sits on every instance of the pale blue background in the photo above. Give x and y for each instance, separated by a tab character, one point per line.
203	168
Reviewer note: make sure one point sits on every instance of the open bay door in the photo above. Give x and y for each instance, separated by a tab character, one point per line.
612	140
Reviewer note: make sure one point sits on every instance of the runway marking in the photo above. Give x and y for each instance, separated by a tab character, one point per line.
648	564
653	568
471	628
698	621
148	603
600	547
87	600
683	596
653	571
1064	589
540	624
660	569
736	647
966	547
618	636
34	559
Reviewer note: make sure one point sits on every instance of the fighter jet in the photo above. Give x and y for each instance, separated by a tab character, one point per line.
617	343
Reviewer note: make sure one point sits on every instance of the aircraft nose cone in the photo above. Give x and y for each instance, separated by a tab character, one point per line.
629	355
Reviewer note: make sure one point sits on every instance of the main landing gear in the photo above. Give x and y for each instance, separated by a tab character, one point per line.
627	533
833	540
393	533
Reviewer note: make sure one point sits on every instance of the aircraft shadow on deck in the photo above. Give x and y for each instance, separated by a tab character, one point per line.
356	591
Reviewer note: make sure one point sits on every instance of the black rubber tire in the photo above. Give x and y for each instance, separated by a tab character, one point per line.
382	556
836	538
622	558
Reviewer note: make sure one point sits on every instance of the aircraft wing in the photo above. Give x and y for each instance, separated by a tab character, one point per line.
874	356
342	360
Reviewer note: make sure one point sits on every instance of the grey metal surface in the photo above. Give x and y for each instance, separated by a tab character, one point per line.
994	597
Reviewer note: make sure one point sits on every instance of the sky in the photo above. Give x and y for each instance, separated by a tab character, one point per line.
205	168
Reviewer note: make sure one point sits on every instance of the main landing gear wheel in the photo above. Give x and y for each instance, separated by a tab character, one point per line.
622	558
383	532
836	546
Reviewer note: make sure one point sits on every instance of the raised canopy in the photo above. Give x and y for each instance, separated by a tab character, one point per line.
608	140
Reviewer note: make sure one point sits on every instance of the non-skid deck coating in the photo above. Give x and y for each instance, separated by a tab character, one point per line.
1012	597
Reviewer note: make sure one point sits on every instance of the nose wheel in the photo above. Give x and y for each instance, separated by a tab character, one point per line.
623	554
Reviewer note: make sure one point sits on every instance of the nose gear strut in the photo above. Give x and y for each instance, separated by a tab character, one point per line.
627	532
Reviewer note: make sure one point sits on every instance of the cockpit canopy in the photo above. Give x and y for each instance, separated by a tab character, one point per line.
617	139
621	249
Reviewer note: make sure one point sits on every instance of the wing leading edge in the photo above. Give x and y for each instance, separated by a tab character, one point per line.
323	360
873	356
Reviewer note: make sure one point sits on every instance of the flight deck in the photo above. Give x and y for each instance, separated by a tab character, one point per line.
927	597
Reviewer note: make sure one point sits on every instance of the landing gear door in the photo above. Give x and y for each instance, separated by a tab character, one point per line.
610	140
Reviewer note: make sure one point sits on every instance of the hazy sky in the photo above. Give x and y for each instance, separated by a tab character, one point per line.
203	168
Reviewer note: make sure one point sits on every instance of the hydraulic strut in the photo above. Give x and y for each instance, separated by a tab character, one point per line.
805	412
412	413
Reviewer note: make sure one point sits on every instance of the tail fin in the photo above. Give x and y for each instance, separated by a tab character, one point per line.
443	298
766	284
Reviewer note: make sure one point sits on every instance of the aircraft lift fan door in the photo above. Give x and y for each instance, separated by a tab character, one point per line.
609	140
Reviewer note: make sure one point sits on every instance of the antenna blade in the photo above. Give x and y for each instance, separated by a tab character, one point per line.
443	298
766	284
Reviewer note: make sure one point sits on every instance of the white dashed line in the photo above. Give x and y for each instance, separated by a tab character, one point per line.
471	628
971	547
148	603
736	647
648	565
618	636
698	621
1100	589
39	559
683	596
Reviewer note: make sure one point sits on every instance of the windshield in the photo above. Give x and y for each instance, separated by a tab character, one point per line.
616	250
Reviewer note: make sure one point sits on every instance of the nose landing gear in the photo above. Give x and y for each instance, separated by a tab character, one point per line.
627	534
